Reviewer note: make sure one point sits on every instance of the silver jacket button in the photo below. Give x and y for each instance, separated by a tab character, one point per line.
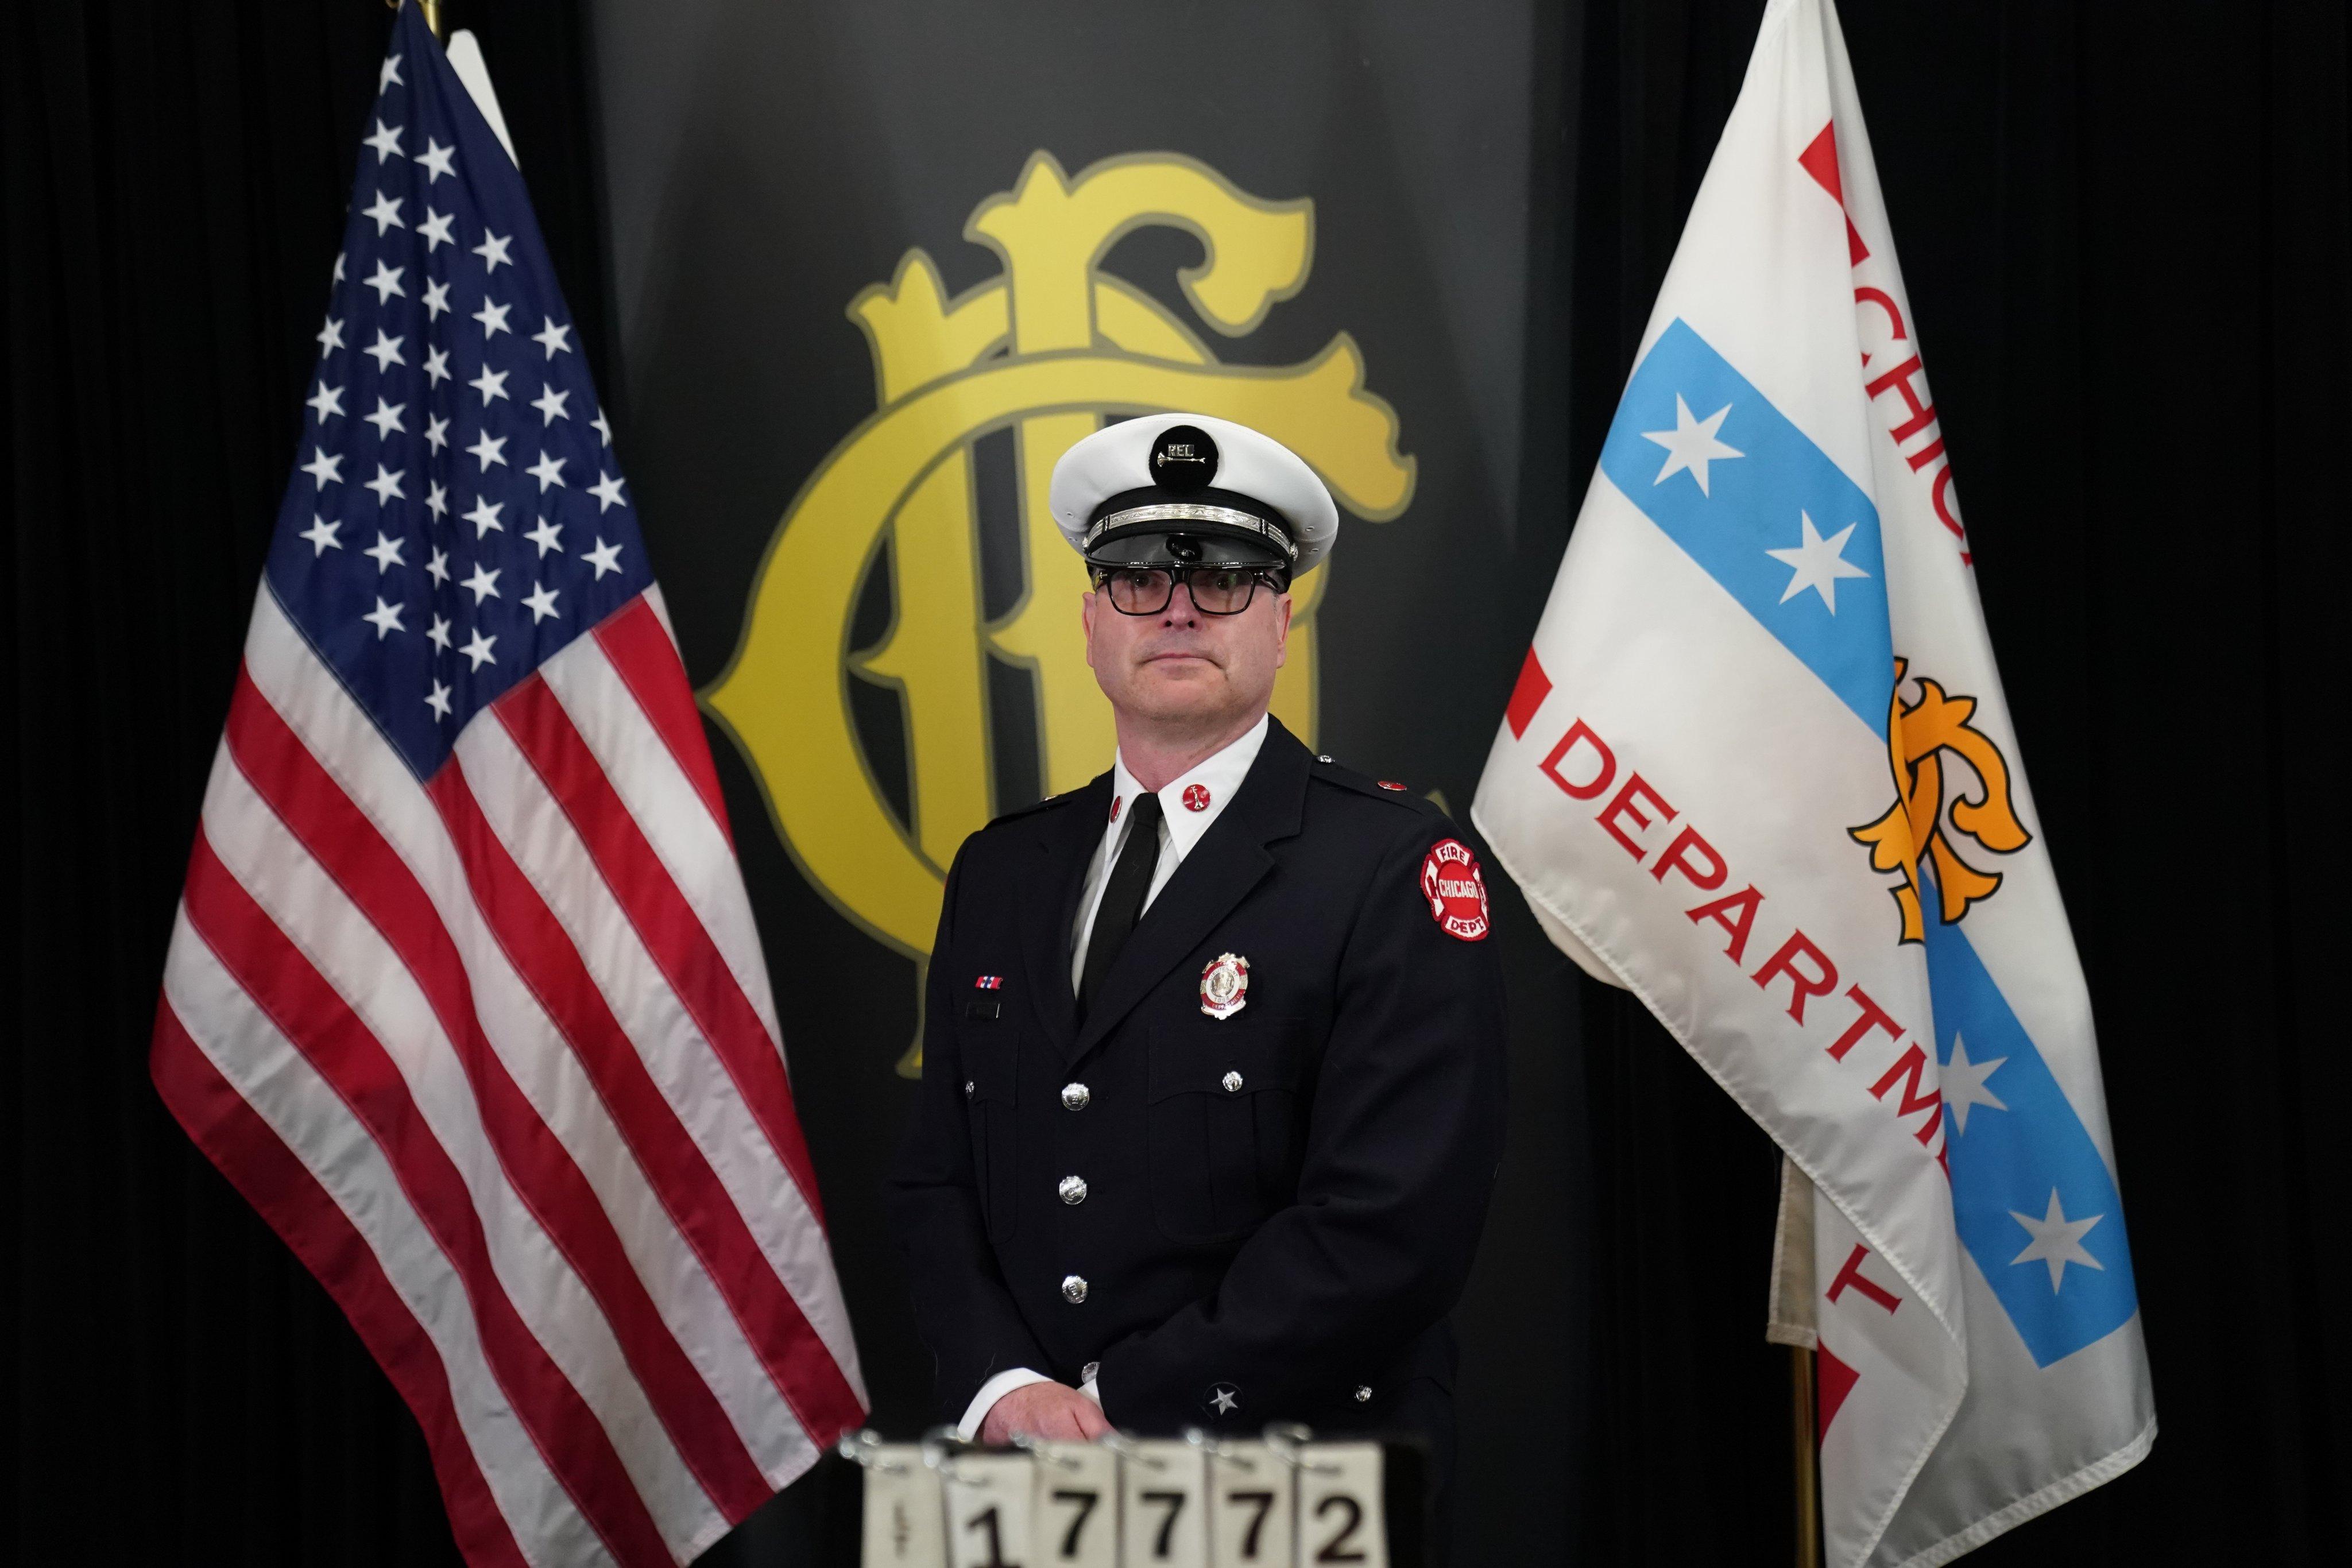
1233	1082
1363	1390
1073	1290
1075	1096
1073	1189
969	1088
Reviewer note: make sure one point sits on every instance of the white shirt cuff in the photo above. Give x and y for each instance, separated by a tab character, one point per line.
995	1389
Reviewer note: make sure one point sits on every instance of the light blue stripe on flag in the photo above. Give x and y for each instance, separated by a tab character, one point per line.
1755	502
2012	1159
1765	482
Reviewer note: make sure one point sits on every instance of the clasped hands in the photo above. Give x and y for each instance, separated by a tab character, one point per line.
1054	1411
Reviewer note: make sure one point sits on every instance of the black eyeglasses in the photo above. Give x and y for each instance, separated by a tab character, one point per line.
1149	590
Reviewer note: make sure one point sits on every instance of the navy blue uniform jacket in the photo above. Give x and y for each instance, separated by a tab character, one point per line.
1291	1238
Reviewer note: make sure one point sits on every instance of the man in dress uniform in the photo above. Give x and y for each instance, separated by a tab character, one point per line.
1213	1060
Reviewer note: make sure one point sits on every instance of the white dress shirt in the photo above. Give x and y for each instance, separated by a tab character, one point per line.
1218	776
1180	827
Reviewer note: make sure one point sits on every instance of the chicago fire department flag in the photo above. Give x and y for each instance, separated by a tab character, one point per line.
464	995
1757	769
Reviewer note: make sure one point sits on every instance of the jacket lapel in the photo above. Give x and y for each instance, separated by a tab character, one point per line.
1230	860
1065	840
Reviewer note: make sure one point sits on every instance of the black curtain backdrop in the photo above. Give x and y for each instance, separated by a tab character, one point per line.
2125	235
176	179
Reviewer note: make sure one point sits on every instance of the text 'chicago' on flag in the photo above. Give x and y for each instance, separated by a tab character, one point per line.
464	993
1757	767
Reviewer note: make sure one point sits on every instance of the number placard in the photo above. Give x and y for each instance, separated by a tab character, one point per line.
1075	1515
1251	1522
1340	1517
1163	1487
988	1511
902	1509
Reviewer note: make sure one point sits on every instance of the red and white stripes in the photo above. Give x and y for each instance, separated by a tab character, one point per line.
498	1057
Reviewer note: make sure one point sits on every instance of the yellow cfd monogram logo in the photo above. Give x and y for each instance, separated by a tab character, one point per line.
1045	349
1919	735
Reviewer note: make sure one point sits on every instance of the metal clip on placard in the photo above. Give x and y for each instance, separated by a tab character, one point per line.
1287	1439
1216	1447
940	1445
1131	1449
1044	1451
867	1450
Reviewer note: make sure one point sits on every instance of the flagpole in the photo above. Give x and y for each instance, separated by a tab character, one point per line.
1805	1456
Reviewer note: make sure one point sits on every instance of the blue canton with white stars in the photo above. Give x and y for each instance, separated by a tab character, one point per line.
456	516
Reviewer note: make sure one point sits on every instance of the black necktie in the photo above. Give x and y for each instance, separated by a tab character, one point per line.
1122	900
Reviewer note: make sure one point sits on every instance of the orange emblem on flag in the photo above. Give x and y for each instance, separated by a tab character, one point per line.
1919	735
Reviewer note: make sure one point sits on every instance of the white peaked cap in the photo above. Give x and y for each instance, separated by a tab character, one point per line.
1118	461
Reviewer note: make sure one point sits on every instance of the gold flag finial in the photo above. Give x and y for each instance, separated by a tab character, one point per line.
431	9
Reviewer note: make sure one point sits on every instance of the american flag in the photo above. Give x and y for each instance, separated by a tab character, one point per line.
464	993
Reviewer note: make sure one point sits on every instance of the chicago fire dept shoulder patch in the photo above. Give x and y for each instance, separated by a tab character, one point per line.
1450	880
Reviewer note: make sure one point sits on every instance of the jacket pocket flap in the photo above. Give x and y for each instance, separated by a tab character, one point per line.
1227	1058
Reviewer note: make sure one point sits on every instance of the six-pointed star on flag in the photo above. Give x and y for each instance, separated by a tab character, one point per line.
2057	1240
1964	1084
1691	445
1817	563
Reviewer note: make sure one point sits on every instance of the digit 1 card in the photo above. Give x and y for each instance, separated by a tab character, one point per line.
988	1510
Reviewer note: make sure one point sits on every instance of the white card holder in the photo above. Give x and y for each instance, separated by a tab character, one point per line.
903	1516
1162	1499
1205	1502
1340	1520
989	1508
1253	1521
1075	1515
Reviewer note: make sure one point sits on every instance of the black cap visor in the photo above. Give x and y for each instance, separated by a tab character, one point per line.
1191	545
1225	528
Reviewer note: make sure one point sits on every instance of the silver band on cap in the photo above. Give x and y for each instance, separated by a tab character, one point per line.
1193	512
